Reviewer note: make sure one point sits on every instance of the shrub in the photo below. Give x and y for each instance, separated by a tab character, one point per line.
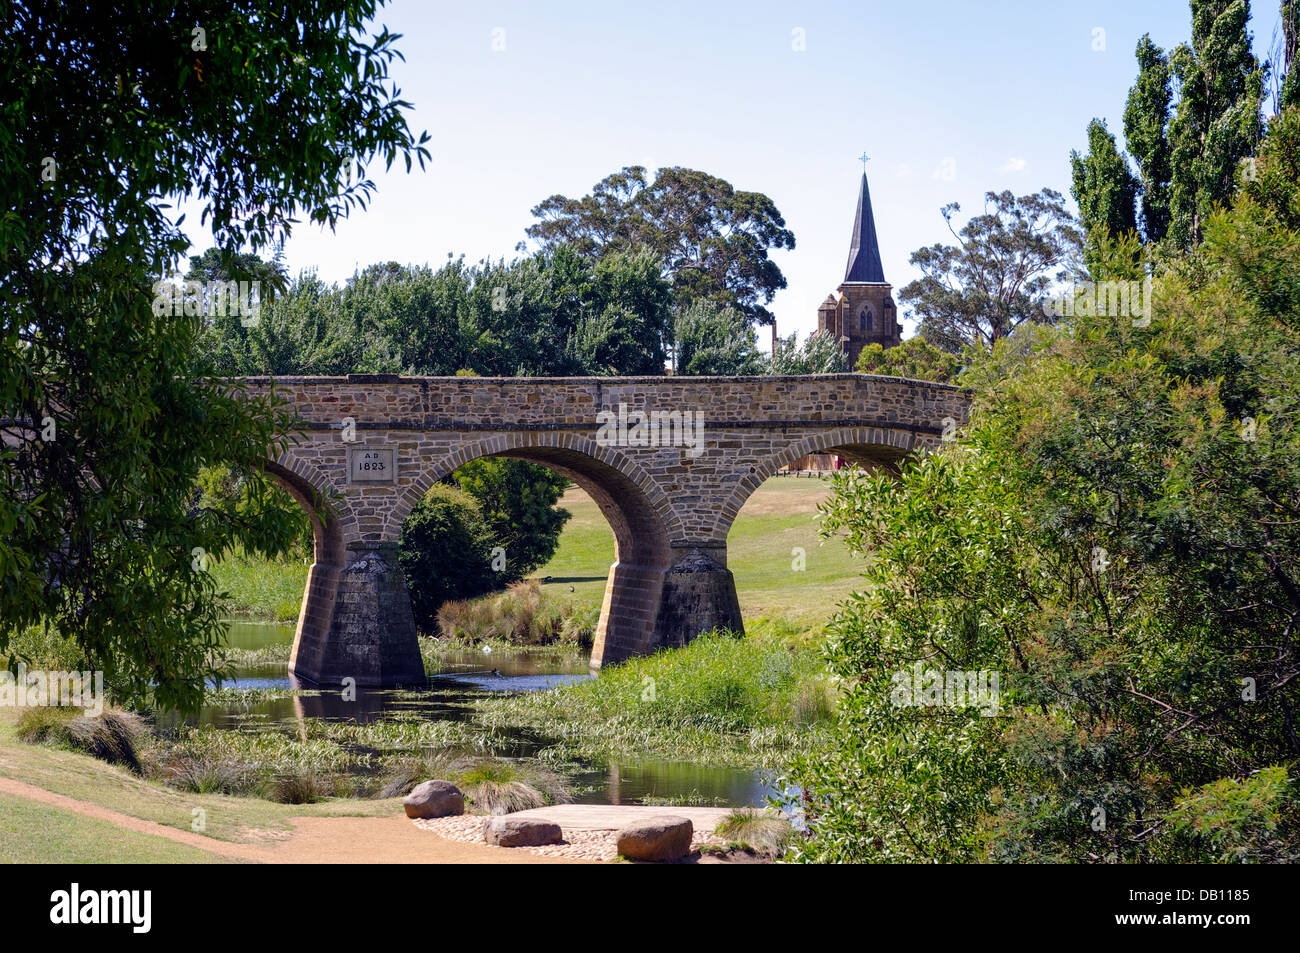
202	774
298	788
446	552
1114	535
111	737
44	647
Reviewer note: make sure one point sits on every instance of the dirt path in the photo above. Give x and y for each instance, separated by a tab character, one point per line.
315	840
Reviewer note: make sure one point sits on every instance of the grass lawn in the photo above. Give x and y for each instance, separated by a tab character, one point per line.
780	516
32	833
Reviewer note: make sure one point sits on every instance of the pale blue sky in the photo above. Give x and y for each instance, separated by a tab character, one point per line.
950	99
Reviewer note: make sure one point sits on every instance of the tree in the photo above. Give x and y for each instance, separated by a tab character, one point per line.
445	553
713	340
818	354
1146	121
1217	122
977	291
711	241
1105	189
1113	537
916	359
108	408
1286	75
517	501
625	327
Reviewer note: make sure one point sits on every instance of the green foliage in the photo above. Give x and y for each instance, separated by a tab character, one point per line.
1255	820
108	119
1188	152
1217	121
1115	537
1285	73
1146	120
713	340
446	552
1270	193
517	503
1105	189
719	700
551	314
710	240
44	647
818	354
916	359
978	291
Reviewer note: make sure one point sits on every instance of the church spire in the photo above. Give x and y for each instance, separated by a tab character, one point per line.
864	252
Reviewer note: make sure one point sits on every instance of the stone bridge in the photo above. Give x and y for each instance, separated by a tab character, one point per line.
669	460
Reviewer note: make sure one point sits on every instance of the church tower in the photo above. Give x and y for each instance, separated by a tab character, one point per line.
862	311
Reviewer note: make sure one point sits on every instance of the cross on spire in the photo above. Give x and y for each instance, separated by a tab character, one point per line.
863	159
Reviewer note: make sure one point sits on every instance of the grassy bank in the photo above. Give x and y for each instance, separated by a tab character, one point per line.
243	819
776	521
32	833
721	700
269	590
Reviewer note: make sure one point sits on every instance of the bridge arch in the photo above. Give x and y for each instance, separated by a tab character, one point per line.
328	511
638	512
873	447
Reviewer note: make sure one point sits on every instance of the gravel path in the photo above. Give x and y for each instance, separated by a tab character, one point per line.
597	845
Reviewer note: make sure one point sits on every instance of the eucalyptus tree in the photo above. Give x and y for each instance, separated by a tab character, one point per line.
264	116
712	240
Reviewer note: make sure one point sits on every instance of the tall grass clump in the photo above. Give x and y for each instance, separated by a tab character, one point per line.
521	615
760	831
113	736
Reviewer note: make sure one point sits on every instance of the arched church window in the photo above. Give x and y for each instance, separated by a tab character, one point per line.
865	321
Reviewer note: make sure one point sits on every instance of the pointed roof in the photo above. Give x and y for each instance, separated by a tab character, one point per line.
864	252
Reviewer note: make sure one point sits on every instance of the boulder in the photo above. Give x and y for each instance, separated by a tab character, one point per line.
662	837
506	831
434	799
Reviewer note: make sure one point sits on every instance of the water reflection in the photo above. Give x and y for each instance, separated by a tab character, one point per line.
450	696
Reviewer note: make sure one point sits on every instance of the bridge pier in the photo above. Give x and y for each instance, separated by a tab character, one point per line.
699	595
370	634
651	608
